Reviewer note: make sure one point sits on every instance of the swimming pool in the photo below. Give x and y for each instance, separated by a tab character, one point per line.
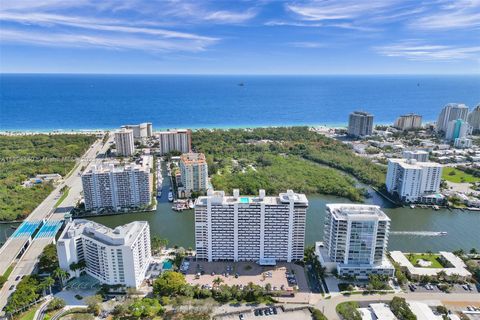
167	265
244	200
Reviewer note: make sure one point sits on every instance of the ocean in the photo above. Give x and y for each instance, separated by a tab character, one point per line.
45	102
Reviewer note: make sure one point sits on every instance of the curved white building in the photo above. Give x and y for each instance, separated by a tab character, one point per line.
113	256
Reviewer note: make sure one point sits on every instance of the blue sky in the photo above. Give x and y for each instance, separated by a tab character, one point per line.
240	37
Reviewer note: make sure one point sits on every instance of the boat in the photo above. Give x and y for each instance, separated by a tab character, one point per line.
436	208
443	233
159	193
191	205
170	196
412	206
180	205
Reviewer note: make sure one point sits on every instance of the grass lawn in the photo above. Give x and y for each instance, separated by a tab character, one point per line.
457	176
8	271
60	200
28	315
434	259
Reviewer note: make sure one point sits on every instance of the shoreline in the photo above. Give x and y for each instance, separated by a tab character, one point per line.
30	131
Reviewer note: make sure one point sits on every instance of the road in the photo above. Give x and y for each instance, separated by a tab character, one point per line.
328	306
46	210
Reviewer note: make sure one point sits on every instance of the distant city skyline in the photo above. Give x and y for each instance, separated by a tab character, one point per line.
240	37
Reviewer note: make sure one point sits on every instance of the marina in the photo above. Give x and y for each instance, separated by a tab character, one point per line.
407	224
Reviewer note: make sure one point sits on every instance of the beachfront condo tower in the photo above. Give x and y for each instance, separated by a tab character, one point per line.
355	241
116	187
117	256
360	124
124	142
259	228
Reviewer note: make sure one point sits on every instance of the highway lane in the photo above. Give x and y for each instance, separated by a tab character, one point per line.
46	210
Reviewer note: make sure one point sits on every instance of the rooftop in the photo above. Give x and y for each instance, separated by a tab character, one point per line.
413	164
219	198
459	266
124	130
382	311
115	167
346	211
192	157
361	113
121	235
173	131
422	311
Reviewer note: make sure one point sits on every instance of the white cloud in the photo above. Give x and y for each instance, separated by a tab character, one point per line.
94	24
307	44
337	10
44	22
451	15
229	16
416	50
99	41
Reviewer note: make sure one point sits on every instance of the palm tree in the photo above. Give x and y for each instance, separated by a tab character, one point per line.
442	275
473	251
48	282
217	281
60	274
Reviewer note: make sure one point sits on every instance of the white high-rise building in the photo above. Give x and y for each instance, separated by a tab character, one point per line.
474	118
419	155
411	180
117	256
140	131
462	143
457	129
262	229
194	172
408	122
360	124
108	186
175	140
355	240
451	111
124	142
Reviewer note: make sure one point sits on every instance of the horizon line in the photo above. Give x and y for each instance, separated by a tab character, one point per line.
241	74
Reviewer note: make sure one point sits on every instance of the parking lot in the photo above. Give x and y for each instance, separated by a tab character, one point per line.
303	314
456	288
282	277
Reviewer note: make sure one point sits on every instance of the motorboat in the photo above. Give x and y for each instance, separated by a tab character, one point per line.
170	196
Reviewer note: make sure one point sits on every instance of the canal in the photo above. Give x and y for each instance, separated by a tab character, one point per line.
463	227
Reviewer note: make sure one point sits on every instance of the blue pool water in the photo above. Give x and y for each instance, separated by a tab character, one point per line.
244	200
167	265
47	102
